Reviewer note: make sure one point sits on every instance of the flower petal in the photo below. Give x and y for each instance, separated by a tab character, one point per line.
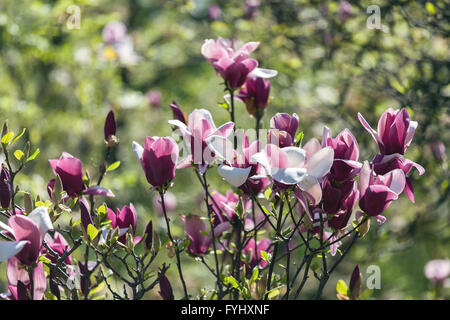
234	176
263	73
9	249
320	162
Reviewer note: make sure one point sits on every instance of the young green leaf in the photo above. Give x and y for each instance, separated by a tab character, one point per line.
91	231
113	166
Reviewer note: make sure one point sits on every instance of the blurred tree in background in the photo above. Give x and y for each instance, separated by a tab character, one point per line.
60	79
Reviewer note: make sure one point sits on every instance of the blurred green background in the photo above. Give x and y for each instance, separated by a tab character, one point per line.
60	82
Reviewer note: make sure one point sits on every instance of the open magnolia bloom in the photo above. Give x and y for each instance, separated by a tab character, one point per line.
236	167
377	194
291	166
28	233
200	126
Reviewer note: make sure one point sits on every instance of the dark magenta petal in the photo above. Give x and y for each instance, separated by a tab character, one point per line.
110	125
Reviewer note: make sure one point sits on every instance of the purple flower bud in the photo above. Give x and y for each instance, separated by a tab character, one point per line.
165	288
438	150
177	113
110	129
149	232
154	98
123	219
345	10
86	218
5	190
158	158
251	248
70	170
255	95
214	12
355	282
114	32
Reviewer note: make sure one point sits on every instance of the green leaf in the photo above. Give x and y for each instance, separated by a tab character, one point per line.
18	154
254	276
232	281
273	293
34	155
92	231
113	166
7	138
341	287
264	255
430	8
268	193
18	137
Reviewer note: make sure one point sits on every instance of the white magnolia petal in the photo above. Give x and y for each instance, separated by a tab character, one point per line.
42	220
311	147
288	176
222	147
234	176
261	158
398	181
199	114
263	73
320	162
9	249
138	150
296	156
310	185
6	228
180	125
410	133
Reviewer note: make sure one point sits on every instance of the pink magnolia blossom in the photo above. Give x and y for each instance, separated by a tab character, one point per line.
195	228
234	65
200	126
294	166
437	270
395	133
28	233
377	194
19	284
158	158
346	154
283	128
170	202
237	167
255	95
123	219
255	258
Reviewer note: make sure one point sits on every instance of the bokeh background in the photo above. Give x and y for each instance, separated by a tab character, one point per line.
59	82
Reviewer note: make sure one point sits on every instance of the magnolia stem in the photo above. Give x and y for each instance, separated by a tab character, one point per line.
177	252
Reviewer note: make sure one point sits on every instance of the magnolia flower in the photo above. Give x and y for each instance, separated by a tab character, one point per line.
237	168
293	166
114	32
170	202
234	65
28	233
59	245
123	219
255	258
283	128
70	171
154	98
177	113
255	95
110	129
195	229
200	126
19	284
376	195
158	158
395	133
437	270
340	202
165	288
346	154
